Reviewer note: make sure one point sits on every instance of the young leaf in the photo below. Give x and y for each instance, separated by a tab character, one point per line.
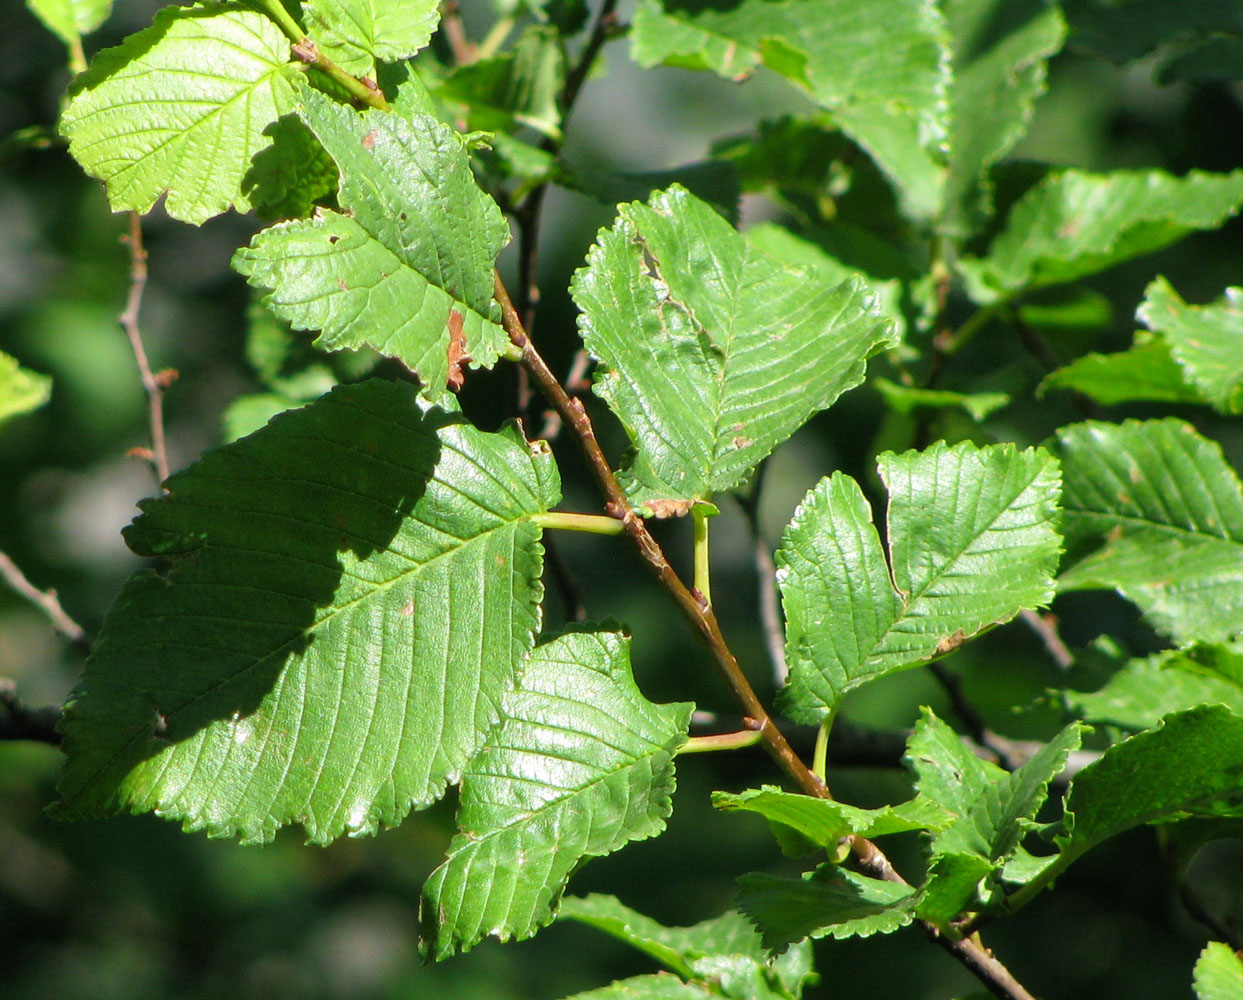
1167	513
21	390
355	34
823	822
69	20
181	107
829	901
352	590
725	950
1189	766
713	354
882	71
1146	371
580	765
1219	973
392	268
1000	52
1074	224
1206	341
972	541
1144	690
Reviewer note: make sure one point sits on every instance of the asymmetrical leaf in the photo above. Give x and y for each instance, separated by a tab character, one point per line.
352	590
69	20
1167	514
412	248
1146	689
182	107
725	950
972	541
1219	973
713	354
1206	341
830	901
580	765
355	34
1073	224
881	70
21	390
1191	766
1000	53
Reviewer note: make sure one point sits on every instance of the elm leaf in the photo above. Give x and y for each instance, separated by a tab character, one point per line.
972	541
712	353
392	268
353	588
580	765
181	108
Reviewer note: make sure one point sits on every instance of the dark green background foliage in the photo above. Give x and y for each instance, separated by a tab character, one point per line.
132	907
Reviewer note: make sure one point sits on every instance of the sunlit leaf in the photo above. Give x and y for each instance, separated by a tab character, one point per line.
356	33
1164	513
21	390
972	541
182	107
713	353
391	270
580	765
69	20
1219	973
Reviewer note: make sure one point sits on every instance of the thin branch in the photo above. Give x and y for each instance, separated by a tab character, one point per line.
463	49
766	580
153	385
1045	626
47	602
17	722
699	616
1000	749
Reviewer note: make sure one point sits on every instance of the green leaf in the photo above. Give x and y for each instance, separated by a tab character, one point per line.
1219	973
1144	690
1167	514
69	20
907	399
1146	372
355	34
392	268
21	390
823	822
1125	30
1073	224
1000	53
291	175
658	987
972	541
247	414
182	108
830	901
1192	765
519	87
352	590
580	765
713	354
1206	341
882	71
726	950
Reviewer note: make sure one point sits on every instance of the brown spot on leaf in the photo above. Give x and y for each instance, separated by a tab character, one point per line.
948	643
739	442
342	285
668	508
407	609
369	140
457	352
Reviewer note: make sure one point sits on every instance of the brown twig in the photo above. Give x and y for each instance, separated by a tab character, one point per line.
153	384
1045	626
463	49
699	615
17	722
47	602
